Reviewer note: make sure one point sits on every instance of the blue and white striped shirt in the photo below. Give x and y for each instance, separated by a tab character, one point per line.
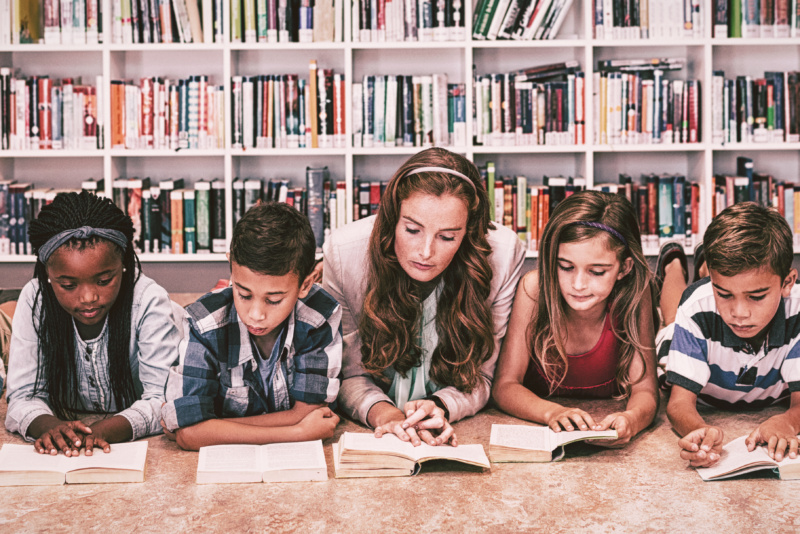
706	357
219	372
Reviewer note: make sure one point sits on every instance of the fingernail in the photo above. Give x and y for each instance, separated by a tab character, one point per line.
404	425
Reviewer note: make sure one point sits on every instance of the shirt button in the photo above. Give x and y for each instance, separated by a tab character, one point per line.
91	380
88	349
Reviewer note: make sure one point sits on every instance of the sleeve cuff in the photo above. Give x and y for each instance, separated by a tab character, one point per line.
29	418
678	380
794	386
143	418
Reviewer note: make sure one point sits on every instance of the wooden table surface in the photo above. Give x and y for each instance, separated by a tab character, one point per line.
645	487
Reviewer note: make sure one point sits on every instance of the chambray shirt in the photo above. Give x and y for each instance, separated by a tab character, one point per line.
221	375
153	348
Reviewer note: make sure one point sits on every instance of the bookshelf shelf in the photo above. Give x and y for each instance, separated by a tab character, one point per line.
751	147
51	154
597	163
543	43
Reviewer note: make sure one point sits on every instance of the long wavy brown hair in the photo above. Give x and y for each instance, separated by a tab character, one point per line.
393	305
548	325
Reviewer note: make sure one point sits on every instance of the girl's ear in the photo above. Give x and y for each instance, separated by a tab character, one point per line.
626	268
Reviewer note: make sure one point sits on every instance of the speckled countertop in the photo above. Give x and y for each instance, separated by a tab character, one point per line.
645	487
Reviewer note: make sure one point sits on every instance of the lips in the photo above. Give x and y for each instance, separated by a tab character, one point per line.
256	331
90	313
422	266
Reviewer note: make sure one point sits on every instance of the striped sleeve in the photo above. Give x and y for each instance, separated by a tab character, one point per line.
687	362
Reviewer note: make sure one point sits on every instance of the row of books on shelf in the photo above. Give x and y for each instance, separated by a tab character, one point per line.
409	111
646	108
537	106
407	20
159	113
284	111
39	112
284	21
51	22
756	19
518	19
165	21
648	19
170	218
755	110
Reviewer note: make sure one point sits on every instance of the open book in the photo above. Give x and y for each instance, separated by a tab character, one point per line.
524	443
276	462
364	455
737	460
21	465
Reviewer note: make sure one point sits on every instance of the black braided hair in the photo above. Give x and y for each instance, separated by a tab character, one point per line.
56	372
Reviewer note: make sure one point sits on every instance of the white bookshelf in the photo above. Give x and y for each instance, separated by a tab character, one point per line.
596	163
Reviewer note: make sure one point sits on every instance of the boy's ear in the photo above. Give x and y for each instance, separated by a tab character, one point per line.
627	266
305	287
788	283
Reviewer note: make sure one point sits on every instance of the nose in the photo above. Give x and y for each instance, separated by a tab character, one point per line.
428	248
257	312
579	280
88	294
740	309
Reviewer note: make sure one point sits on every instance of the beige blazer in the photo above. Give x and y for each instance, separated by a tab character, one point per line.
345	278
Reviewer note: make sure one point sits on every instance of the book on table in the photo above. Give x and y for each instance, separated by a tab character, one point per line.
21	465
363	455
524	443
275	462
737	460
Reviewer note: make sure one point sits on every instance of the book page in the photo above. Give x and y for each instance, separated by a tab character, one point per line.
564	437
735	456
389	443
130	456
122	456
15	457
229	458
299	455
521	437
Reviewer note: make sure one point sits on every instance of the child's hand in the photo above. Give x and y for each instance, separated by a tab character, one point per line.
571	419
778	434
623	424
702	447
96	439
319	424
67	436
170	435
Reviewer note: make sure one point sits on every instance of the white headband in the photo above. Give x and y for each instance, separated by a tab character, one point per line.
442	170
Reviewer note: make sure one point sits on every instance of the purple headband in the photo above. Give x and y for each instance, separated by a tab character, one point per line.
605	228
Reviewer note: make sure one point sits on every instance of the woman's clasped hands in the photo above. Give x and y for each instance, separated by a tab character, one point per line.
423	421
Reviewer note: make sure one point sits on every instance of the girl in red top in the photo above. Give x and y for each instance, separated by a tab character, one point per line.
582	325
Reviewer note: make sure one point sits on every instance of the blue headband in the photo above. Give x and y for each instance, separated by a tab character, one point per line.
84	232
442	170
605	228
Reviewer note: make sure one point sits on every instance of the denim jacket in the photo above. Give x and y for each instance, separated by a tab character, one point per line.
153	348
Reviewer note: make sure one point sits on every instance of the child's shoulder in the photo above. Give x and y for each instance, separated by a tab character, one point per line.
316	308
212	310
699	296
529	284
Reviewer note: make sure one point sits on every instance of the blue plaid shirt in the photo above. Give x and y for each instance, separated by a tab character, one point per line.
218	375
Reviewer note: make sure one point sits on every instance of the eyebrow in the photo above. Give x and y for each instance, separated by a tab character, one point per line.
763	289
442	230
591	265
65	277
240	286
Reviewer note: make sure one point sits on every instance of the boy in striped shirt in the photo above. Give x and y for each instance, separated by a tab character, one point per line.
735	339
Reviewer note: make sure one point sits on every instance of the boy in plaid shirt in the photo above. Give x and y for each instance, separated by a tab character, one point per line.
260	360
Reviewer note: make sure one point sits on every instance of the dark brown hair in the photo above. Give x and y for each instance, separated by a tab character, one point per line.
748	236
392	306
274	238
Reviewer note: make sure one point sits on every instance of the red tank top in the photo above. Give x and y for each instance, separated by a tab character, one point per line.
592	374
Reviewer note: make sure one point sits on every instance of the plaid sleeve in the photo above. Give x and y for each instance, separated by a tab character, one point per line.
318	353
193	383
687	362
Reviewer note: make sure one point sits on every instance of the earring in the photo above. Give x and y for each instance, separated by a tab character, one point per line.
48	281
124	270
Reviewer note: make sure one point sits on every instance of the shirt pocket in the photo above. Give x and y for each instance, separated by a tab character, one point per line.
236	401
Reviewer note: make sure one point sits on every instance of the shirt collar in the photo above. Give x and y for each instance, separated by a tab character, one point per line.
775	335
246	349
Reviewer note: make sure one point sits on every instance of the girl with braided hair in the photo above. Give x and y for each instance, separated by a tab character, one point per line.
91	334
582	325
